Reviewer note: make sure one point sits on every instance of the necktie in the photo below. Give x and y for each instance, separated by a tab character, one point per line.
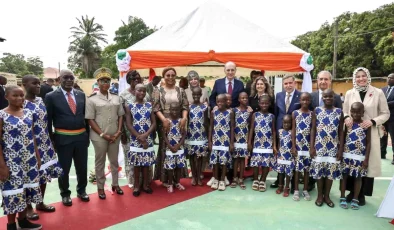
71	103
389	91
287	102
230	88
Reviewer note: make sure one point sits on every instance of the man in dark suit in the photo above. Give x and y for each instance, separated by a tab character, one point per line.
389	125
66	113
3	101
46	88
228	85
324	80
286	102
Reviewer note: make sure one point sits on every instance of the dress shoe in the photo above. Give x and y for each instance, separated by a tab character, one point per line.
67	201
25	224
118	190
101	194
136	193
33	216
274	185
148	190
84	197
11	226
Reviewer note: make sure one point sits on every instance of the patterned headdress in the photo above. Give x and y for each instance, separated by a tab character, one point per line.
361	88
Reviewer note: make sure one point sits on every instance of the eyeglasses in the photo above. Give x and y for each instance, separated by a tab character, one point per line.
68	77
105	81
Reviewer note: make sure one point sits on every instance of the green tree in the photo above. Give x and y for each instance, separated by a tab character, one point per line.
17	64
127	35
84	49
364	39
35	66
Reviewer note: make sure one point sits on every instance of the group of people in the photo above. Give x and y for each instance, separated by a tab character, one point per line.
293	133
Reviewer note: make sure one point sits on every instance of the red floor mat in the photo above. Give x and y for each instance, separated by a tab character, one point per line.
99	214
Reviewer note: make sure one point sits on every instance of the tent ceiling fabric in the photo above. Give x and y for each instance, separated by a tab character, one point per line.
212	32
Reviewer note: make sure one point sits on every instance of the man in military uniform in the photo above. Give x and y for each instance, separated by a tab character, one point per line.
104	113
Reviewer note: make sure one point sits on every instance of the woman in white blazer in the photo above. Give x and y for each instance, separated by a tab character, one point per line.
376	113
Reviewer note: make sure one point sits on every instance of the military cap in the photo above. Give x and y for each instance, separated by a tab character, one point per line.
102	73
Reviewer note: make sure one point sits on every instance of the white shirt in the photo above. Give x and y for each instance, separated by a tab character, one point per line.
227	82
72	94
320	96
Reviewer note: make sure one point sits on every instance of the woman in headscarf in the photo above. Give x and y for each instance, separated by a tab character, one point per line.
162	99
376	113
127	97
194	81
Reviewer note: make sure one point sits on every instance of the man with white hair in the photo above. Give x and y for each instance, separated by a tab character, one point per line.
324	80
228	85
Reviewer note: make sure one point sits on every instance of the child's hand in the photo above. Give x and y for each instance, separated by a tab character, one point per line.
173	149
145	145
365	164
339	156
4	173
231	148
294	152
313	152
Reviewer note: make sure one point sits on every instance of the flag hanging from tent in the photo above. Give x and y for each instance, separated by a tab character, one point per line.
152	74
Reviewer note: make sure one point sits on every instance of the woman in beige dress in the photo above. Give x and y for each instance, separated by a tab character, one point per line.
162	99
376	113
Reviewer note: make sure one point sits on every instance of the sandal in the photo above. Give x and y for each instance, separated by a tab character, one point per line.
180	187
354	205
234	183
319	203
280	189
241	183
255	185
170	188
262	186
330	204
286	192
343	203
306	195
296	196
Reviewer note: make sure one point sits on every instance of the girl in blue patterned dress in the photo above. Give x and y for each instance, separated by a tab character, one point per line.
262	143
241	130
221	142
302	119
141	123
285	160
50	167
196	145
19	160
175	158
356	154
326	147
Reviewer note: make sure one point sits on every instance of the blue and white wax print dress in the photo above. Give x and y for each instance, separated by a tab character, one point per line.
354	151
221	138
178	159
197	142
303	127
263	154
285	160
241	130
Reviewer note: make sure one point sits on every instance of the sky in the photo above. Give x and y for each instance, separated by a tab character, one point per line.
42	28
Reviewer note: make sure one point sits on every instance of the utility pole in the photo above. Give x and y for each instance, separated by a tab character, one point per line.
334	61
59	66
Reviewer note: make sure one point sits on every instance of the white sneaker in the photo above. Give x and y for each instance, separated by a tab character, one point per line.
215	184
226	181
222	186
130	186
211	181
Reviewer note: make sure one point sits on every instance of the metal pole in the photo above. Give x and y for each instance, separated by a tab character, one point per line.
334	61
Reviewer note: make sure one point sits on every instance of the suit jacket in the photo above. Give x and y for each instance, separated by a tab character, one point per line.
315	100
220	87
44	89
375	106
280	106
3	101
390	102
60	116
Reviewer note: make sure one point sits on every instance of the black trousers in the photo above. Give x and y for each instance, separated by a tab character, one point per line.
77	151
389	126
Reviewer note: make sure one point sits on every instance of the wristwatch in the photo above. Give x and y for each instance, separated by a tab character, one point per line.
102	134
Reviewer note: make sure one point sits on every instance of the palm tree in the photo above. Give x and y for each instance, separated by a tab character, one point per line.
84	47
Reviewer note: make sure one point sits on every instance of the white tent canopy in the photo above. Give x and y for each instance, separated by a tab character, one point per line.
211	26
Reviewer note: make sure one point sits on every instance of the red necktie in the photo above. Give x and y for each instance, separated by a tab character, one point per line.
71	103
230	89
